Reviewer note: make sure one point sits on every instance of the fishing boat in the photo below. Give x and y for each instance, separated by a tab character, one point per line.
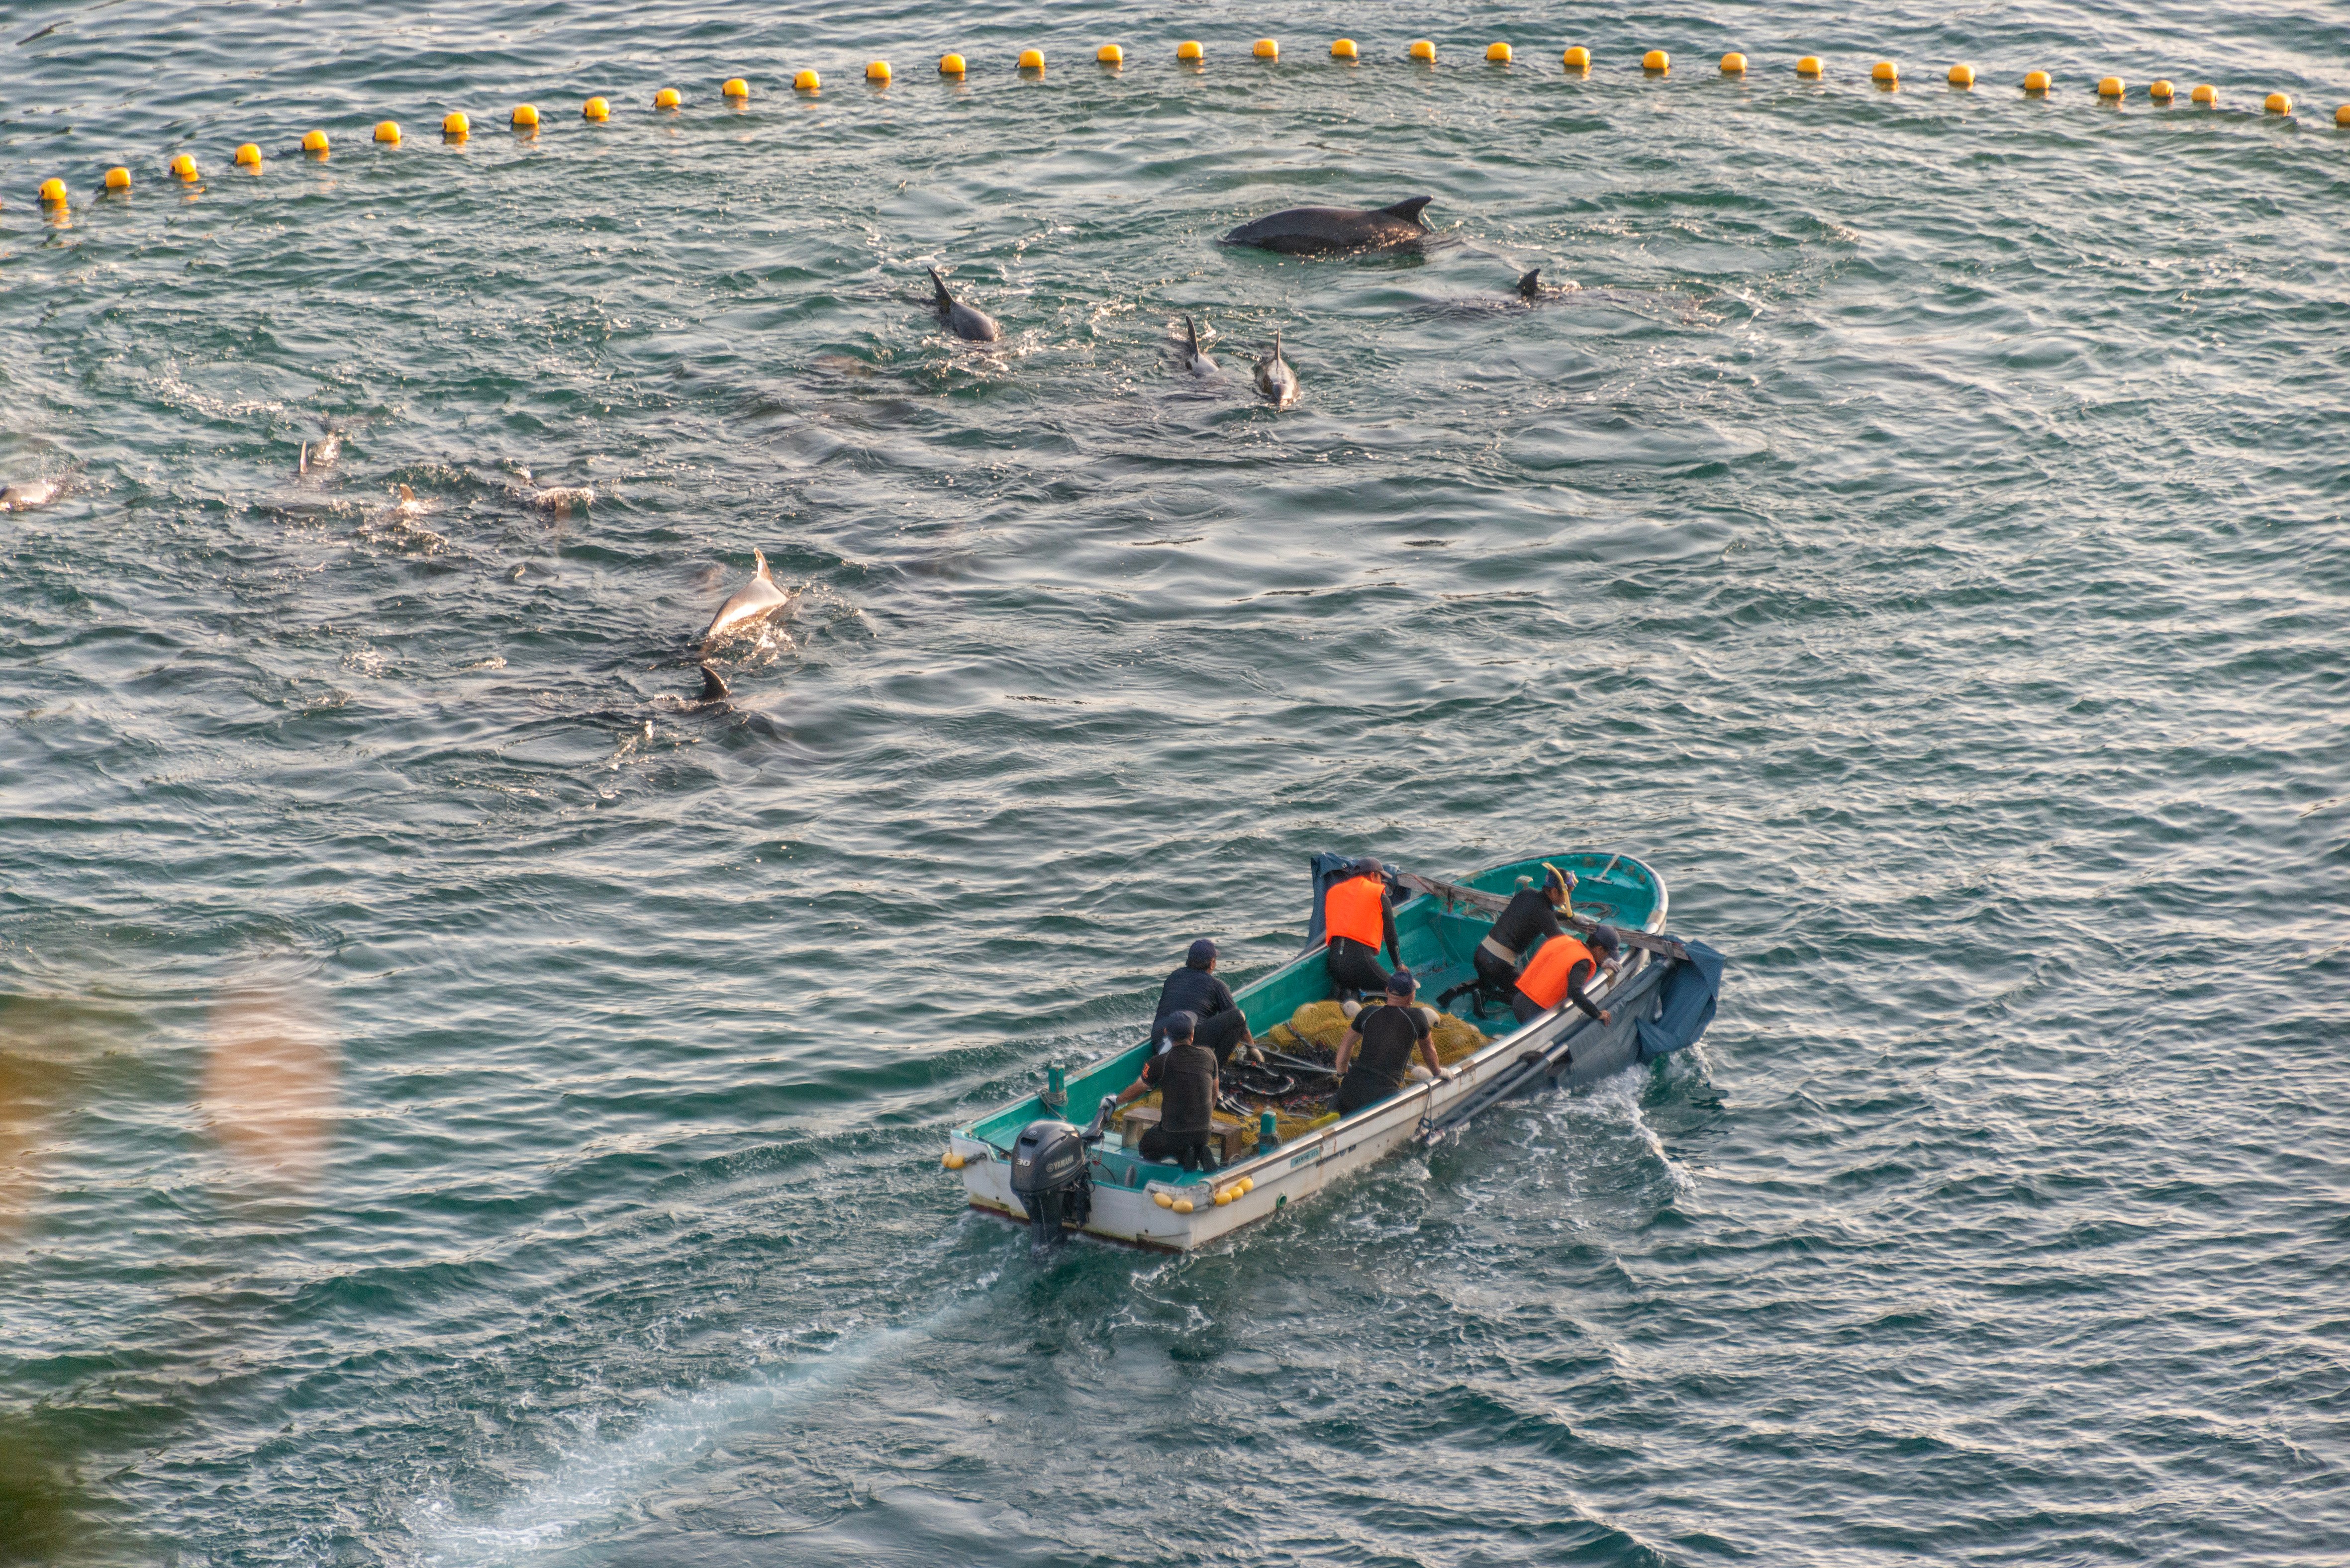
1025	1162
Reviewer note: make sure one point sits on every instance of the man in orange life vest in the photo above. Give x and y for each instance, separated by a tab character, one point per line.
1358	919
1559	971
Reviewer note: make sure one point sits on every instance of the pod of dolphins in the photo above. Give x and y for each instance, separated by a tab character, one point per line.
1294	231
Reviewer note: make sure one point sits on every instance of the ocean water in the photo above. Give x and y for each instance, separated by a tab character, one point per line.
463	1103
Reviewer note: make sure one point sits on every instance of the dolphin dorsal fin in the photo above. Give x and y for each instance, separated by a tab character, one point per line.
1531	283
406	494
1193	333
1409	210
941	285
713	687
304	465
759	560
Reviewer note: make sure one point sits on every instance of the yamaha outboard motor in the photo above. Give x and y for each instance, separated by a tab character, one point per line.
1052	1175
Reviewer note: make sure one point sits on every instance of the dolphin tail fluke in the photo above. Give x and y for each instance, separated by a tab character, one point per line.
1409	210
713	687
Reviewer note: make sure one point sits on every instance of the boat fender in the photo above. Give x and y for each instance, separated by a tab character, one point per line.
954	1161
1224	1197
1181	1206
1162	1200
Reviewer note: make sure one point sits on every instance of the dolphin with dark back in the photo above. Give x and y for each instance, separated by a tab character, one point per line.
1194	358
1318	231
959	318
1274	379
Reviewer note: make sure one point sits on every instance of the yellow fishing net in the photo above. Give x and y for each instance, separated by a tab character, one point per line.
1323	1025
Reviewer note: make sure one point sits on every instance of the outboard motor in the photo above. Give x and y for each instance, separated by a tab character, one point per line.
1052	1175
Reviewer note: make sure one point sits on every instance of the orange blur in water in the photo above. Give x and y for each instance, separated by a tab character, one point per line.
270	1078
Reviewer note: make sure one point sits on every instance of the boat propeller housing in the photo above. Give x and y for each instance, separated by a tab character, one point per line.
1052	1175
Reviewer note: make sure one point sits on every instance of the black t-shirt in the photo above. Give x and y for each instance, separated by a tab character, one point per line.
1185	1076
1388	1034
1529	915
1192	990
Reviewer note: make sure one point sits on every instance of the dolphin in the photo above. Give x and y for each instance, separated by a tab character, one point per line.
959	318
25	497
323	455
754	600
560	500
1315	231
1533	289
1274	379
713	687
1194	358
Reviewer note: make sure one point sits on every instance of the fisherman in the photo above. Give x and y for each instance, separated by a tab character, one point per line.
1387	1036
1530	914
1358	918
1560	969
1185	1072
1194	989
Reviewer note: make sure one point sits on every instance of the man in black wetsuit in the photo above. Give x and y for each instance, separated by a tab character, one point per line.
1185	1072
1358	919
1530	915
1220	1025
1387	1036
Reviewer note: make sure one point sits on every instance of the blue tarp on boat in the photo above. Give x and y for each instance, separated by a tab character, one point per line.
1687	1005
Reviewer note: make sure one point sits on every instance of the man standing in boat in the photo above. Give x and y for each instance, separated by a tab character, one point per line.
1194	989
1184	1071
1530	916
1387	1036
1560	970
1357	919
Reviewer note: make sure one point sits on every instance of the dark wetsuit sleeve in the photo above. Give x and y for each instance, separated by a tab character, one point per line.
1387	919
1575	976
1546	920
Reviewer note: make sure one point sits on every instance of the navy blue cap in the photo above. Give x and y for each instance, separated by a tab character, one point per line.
1368	866
1204	953
1604	939
1400	983
1178	1025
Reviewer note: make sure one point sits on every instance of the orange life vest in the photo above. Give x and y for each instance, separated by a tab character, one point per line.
1544	980
1351	909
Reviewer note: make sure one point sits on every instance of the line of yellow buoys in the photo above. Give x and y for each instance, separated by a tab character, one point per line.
1576	60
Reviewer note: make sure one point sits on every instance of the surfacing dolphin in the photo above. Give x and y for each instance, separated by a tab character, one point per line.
25	497
959	318
1317	231
1194	358
754	600
1274	379
714	687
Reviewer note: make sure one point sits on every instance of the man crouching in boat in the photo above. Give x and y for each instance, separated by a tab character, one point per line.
1358	917
1561	970
1220	1025
1184	1072
1387	1036
1530	915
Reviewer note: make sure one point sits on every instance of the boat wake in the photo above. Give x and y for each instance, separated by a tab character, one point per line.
598	1483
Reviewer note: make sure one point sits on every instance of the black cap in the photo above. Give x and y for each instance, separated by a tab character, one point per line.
1604	939
1204	953
1178	1025
1368	866
1400	983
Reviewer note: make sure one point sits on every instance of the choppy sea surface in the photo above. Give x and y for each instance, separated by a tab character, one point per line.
463	1103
